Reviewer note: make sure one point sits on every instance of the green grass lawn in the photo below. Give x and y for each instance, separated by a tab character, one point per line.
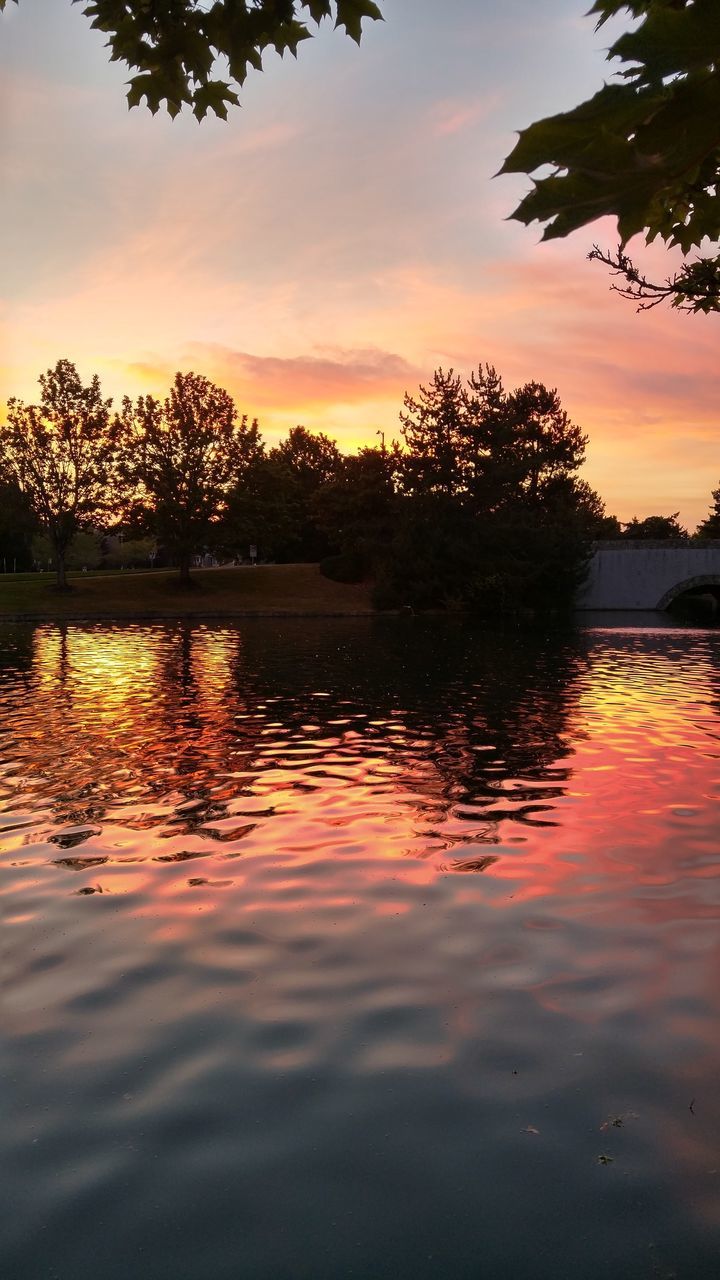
269	589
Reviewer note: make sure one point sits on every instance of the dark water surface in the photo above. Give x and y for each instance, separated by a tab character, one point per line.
359	948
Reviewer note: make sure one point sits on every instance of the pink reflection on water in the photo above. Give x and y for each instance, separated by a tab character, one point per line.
563	850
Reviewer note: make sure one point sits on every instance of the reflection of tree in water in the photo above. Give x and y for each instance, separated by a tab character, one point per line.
466	722
710	676
16	649
474	710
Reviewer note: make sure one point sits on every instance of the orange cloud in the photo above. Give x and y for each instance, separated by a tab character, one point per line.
335	376
349	393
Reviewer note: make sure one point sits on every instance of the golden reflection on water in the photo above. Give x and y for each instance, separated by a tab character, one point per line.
172	742
479	822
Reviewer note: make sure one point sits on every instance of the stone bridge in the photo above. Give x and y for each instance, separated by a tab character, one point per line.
648	575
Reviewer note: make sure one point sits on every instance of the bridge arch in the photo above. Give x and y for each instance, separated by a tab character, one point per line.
688	584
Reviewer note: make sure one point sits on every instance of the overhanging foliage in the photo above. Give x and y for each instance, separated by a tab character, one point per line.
174	46
645	148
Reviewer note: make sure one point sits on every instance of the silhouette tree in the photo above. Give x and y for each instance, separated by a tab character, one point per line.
17	523
493	515
182	459
357	509
544	445
174	46
435	431
262	509
306	461
566	496
63	454
654	528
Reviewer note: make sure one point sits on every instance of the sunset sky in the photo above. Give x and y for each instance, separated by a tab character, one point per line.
338	238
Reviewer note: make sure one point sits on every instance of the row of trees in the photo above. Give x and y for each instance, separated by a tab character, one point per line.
479	502
186	470
666	528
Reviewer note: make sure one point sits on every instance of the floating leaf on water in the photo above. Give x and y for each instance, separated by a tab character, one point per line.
617	1122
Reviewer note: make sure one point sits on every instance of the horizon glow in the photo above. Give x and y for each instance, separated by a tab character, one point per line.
338	239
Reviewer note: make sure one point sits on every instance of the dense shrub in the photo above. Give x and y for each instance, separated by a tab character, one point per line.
348	566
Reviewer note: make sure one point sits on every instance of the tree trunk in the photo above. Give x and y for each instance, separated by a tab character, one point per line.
184	567
61	582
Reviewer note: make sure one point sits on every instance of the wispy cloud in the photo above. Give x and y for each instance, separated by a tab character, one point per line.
452	115
348	203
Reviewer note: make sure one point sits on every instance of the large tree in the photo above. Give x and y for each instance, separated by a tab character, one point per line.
644	149
478	443
492	513
62	454
184	456
174	46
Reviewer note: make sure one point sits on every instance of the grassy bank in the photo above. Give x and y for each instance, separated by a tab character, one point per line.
267	589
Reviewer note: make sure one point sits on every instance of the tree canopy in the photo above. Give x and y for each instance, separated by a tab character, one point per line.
176	48
491	513
63	454
183	457
644	149
655	529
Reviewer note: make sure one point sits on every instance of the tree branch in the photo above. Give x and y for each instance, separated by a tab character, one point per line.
695	287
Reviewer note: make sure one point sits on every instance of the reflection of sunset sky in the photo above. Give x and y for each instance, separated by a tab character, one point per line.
192	749
503	871
337	239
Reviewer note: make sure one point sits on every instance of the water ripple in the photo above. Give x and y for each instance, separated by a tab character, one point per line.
359	947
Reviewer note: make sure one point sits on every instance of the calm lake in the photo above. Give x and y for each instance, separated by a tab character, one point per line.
371	948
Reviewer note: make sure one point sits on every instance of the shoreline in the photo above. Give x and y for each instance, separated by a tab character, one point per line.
201	616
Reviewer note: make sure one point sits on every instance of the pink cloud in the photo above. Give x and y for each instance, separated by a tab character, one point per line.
451	115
